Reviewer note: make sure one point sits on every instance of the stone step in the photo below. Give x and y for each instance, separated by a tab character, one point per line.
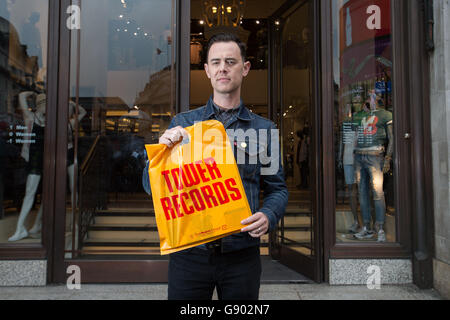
148	219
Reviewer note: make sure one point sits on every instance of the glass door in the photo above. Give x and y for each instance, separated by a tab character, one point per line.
294	109
122	95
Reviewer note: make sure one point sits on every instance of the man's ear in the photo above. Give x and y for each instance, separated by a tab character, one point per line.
247	66
207	70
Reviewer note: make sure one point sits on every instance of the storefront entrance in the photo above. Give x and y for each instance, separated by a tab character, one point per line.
86	84
125	95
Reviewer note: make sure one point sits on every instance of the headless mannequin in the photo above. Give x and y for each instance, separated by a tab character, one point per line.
368	154
346	162
37	118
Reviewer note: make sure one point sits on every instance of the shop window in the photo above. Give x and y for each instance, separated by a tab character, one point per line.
363	121
23	64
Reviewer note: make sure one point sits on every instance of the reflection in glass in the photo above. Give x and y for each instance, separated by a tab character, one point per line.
123	93
363	109
296	230
23	63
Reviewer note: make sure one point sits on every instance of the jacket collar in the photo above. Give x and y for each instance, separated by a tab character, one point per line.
243	114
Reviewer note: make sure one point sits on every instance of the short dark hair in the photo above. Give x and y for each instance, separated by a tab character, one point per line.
227	37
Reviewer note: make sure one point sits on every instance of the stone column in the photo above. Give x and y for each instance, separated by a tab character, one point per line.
440	125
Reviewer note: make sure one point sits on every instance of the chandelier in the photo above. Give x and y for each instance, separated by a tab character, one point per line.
223	13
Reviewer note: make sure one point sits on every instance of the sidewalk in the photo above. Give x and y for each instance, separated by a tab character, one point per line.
267	292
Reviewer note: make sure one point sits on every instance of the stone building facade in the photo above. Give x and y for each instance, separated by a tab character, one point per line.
440	124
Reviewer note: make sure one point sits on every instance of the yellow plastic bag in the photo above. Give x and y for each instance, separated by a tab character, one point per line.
197	191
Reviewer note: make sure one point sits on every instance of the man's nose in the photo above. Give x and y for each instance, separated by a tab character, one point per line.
223	67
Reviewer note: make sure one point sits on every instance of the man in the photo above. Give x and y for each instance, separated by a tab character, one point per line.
232	264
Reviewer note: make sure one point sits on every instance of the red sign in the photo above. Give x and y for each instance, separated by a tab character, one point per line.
362	20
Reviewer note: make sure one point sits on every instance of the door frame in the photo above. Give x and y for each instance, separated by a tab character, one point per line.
412	157
104	270
310	266
401	248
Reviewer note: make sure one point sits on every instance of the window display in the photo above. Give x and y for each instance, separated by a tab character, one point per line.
23	63
363	110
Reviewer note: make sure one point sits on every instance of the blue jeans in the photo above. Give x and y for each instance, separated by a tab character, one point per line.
369	177
194	273
349	174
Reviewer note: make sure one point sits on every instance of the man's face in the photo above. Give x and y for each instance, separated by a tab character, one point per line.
225	67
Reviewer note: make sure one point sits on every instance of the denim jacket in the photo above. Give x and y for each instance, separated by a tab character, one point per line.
275	194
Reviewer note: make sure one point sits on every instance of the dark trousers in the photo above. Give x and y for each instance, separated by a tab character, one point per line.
194	273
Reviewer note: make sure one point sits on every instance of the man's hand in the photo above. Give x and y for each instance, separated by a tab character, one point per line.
173	136
258	225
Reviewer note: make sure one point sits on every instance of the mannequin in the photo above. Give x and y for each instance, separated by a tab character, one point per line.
34	153
346	161
372	161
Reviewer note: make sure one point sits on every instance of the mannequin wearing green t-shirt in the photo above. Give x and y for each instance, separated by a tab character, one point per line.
373	155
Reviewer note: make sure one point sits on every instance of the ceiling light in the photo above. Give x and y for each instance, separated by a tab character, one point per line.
227	13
